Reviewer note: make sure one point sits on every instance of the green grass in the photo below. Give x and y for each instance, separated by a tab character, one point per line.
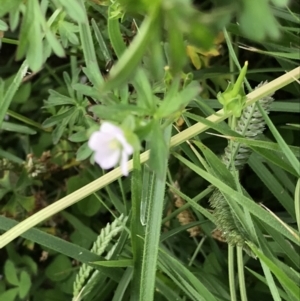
210	209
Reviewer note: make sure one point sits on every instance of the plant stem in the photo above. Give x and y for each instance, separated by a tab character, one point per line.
26	120
231	273
241	274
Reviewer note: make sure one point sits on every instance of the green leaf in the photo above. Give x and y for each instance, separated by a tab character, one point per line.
59	130
137	229
61	246
30	263
122	287
88	49
174	102
143	88
280	3
17	128
288	55
14	19
132	56
117	112
284	147
265	24
202	35
50	295
153	226
53	43
11	91
2	287
185	276
67	113
27	202
284	246
80	136
10	273
234	98
11	157
122	263
67	33
159	149
89	206
287	283
9	295
74	9
273	184
297	203
22	94
263	280
297	126
8	6
25	284
264	144
57	99
177	50
194	202
115	35
218	168
86	90
242	200
264	152
106	54
79	226
31	35
59	269
83	152
3	26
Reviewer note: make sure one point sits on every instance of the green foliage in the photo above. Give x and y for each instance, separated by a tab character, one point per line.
234	98
68	66
20	279
59	269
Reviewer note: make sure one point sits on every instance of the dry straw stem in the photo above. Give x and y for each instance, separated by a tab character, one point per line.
108	178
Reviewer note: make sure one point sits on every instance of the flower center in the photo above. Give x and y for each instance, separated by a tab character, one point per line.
114	144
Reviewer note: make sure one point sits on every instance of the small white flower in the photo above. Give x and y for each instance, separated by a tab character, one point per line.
110	147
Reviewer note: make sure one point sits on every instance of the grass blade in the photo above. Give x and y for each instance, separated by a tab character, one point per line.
288	284
243	201
115	35
137	229
61	246
11	91
297	203
152	232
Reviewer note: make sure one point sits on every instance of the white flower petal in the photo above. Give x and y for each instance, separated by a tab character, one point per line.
105	151
110	128
123	164
109	160
128	149
98	139
111	147
93	141
126	146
